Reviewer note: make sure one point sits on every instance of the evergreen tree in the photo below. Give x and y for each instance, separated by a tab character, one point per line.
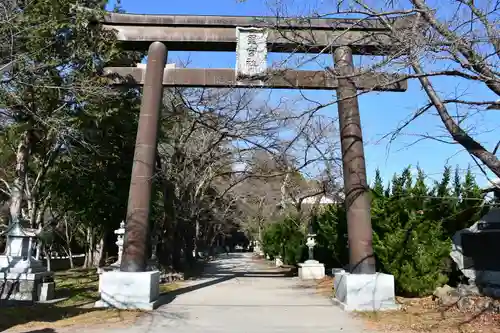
406	243
71	132
330	226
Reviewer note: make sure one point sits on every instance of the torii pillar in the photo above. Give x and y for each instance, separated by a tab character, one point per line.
357	195
362	288
133	287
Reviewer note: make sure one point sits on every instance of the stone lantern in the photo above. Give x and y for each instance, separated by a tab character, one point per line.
23	277
311	269
120	234
311	243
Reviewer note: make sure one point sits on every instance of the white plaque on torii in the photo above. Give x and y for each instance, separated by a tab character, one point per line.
251	52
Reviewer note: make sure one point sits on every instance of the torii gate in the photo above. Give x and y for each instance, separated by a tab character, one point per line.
342	37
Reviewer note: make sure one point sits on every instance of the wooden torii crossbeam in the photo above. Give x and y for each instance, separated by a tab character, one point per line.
342	38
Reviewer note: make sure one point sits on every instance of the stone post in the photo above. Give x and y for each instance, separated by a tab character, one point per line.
362	289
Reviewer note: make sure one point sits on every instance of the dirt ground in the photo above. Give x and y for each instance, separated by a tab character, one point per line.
424	315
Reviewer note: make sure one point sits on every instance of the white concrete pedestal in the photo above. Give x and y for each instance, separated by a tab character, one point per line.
365	292
311	270
278	262
129	290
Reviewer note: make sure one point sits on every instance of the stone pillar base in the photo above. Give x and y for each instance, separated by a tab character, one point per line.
129	290
26	286
365	292
311	270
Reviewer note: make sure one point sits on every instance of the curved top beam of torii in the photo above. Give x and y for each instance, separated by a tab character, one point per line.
217	33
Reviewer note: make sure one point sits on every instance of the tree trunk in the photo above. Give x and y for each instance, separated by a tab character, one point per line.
98	256
39	244
89	255
457	133
284	185
69	253
19	184
68	237
177	248
47	252
196	238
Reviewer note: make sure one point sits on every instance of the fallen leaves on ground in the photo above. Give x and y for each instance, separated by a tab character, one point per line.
418	315
425	315
325	286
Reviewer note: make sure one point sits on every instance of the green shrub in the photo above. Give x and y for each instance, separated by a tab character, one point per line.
330	226
407	243
285	239
414	251
412	226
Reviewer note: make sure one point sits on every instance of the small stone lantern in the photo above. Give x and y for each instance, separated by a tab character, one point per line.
120	234
311	243
311	269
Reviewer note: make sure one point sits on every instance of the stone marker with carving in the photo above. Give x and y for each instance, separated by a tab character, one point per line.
474	252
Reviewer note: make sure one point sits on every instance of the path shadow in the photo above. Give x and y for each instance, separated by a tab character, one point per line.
216	278
169	296
43	330
259	274
19	313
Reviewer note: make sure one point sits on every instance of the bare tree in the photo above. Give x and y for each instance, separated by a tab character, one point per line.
225	162
458	40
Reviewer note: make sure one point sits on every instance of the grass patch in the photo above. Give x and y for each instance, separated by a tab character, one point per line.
166	287
79	288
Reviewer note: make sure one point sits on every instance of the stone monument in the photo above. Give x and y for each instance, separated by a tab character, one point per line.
474	252
278	261
24	277
311	269
120	233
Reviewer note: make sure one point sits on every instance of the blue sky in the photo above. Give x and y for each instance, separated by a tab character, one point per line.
380	112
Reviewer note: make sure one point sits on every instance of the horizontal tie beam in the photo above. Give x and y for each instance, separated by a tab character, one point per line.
277	79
